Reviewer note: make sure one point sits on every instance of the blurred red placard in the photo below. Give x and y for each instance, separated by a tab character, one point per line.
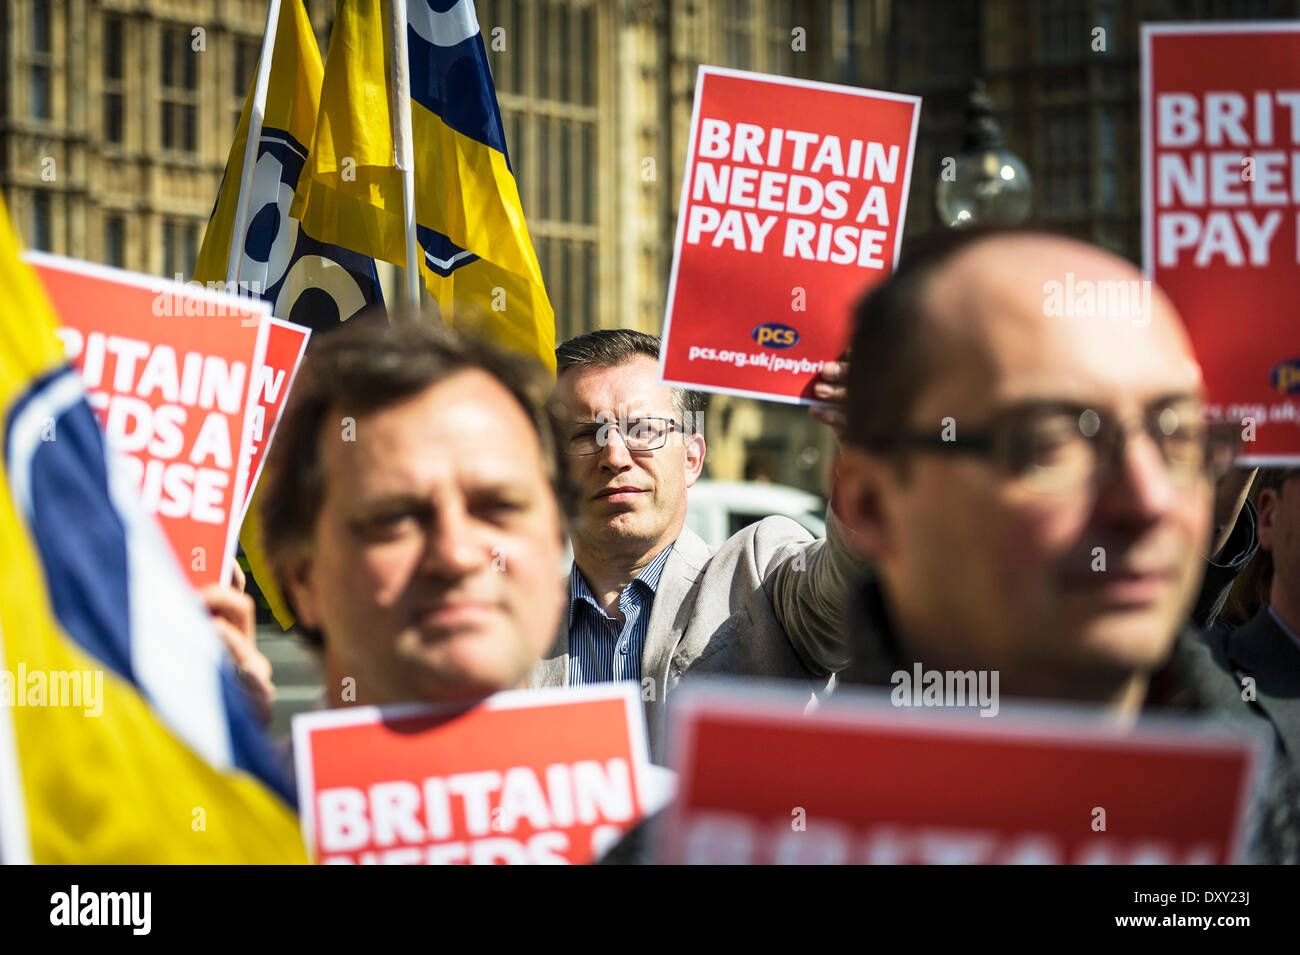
286	343
1220	212
861	781
524	777
168	368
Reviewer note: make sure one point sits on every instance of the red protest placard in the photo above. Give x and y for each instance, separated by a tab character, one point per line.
861	781
524	777
167	368
792	205
1220	213
286	343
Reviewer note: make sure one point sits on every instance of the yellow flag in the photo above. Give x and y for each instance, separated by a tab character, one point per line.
476	256
123	735
279	259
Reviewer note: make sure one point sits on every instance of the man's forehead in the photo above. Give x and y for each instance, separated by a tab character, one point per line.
1027	254
1043	275
1027	317
629	388
468	412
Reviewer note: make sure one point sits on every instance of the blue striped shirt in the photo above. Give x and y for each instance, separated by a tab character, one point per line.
601	649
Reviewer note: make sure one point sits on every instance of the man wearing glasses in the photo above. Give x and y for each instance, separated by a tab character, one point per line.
648	600
1036	493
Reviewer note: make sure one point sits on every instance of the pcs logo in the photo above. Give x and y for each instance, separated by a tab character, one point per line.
772	335
1285	376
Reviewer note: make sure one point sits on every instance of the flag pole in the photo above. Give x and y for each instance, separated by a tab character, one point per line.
255	117
399	71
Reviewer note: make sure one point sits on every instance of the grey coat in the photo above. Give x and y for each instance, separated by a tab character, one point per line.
1261	652
770	602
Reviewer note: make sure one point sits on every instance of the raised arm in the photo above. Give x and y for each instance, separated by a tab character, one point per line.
811	584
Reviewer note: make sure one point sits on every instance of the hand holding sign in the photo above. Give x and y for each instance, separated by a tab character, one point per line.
831	387
234	615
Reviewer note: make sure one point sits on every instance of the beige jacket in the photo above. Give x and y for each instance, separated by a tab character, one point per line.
770	602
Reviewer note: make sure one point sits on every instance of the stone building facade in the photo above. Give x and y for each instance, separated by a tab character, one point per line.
116	117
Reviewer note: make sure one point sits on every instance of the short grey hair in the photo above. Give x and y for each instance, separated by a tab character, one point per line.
611	347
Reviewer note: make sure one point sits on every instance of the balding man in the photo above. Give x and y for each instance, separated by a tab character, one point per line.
1036	491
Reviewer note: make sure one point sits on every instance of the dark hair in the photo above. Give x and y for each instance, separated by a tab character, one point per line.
1250	591
366	365
611	347
890	355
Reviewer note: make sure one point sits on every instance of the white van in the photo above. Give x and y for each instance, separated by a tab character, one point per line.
718	509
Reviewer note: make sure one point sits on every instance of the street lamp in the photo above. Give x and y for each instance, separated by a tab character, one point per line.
986	182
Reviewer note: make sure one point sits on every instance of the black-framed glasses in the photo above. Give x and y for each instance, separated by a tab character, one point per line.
639	434
1061	447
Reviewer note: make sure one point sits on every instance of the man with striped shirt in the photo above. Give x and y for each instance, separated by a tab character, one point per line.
648	599
605	648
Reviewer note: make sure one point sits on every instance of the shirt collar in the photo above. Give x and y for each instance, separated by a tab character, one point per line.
648	578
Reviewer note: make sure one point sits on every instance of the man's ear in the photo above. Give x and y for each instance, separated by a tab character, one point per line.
301	595
1267	518
857	500
695	449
